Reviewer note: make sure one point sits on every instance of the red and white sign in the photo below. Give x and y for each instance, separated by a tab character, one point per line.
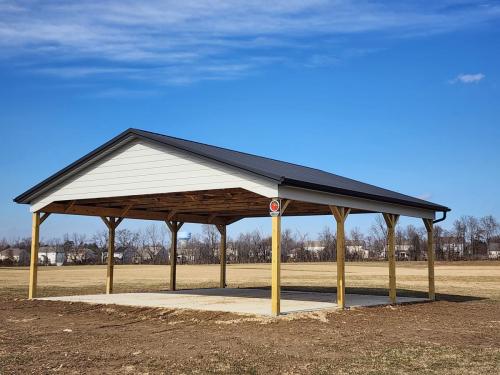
275	207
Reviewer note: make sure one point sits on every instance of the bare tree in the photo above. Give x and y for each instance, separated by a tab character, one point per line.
357	240
328	240
490	227
438	242
379	233
127	242
153	243
287	244
100	240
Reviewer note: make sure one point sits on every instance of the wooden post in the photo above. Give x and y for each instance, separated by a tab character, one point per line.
430	257
174	227
35	244
112	223
222	255
391	221
35	237
276	265
111	257
340	214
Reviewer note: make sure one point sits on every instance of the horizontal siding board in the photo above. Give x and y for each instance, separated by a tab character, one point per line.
143	168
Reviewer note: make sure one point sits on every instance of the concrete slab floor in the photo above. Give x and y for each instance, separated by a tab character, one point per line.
243	301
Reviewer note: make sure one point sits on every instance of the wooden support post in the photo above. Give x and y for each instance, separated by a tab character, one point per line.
174	227
276	265
391	220
112	223
340	214
430	257
35	238
111	258
222	255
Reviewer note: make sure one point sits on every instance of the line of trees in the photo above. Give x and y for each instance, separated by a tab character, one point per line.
469	238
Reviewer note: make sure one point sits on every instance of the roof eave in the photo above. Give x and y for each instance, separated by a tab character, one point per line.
330	189
25	198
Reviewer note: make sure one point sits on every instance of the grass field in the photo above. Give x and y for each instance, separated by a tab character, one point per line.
459	334
479	279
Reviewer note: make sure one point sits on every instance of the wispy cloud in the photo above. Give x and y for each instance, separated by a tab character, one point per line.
468	78
180	42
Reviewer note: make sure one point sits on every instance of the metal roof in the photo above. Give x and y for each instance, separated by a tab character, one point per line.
283	173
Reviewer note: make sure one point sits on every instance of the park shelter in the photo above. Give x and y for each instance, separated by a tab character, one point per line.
144	175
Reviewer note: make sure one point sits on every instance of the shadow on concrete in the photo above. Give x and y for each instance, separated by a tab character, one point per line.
385	292
318	294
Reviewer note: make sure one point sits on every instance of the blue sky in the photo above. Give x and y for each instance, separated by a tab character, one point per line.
404	96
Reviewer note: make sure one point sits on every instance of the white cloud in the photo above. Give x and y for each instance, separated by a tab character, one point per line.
174	42
468	78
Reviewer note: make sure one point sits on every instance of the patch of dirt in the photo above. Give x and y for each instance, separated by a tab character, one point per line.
44	337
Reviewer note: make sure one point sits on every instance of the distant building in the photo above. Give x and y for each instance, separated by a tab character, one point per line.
81	256
49	255
15	255
314	247
494	250
401	251
357	251
451	247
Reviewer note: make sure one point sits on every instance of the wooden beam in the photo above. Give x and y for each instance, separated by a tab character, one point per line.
132	214
118	221
44	217
35	237
233	220
127	209
106	221
340	214
391	220
111	255
169	225
71	204
429	226
285	206
171	214
222	255
276	266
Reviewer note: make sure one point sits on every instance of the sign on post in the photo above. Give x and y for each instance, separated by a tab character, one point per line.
275	207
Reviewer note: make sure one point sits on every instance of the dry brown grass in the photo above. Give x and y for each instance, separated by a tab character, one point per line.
451	336
479	279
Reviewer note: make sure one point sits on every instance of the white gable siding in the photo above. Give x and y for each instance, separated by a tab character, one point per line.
141	167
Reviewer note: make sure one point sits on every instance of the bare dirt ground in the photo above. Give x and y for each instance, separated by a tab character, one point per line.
459	334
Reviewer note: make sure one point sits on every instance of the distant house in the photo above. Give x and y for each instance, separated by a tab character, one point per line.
451	247
401	251
15	255
117	256
50	255
494	250
309	251
356	251
81	256
314	247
